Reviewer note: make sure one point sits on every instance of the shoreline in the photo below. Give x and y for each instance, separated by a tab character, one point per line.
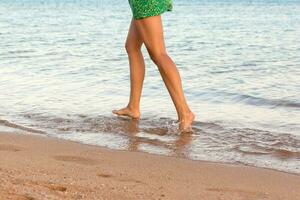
178	144
34	167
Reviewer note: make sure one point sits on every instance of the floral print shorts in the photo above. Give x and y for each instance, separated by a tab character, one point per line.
146	8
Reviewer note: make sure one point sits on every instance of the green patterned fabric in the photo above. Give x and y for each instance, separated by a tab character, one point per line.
146	8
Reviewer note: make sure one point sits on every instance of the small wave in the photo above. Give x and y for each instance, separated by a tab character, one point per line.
210	141
267	102
283	154
249	99
20	127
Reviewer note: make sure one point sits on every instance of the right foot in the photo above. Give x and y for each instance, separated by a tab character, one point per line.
185	125
127	112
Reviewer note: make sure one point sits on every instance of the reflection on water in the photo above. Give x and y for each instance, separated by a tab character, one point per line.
63	68
135	139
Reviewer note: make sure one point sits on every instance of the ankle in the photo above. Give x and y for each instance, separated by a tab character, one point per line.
133	108
185	114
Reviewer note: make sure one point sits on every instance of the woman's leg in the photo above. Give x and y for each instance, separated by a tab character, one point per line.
137	72
151	32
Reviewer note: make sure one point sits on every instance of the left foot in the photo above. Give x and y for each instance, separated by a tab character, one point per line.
185	123
127	112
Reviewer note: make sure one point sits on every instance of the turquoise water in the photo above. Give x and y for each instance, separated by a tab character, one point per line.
63	68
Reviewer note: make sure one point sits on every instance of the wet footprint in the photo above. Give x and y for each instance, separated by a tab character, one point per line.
8	147
104	175
76	159
56	187
131	181
50	186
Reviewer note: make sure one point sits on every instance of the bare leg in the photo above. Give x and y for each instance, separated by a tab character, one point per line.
151	31
137	73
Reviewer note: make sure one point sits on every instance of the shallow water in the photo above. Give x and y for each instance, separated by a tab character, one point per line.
63	68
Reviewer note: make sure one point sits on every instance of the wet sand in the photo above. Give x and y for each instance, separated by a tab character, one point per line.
34	167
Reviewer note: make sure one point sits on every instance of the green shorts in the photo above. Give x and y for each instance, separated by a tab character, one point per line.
146	8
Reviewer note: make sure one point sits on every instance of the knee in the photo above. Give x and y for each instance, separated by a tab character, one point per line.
132	48
158	57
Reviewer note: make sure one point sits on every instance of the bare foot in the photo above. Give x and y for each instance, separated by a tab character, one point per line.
185	125
127	112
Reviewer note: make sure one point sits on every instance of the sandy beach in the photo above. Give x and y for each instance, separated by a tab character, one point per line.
35	167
